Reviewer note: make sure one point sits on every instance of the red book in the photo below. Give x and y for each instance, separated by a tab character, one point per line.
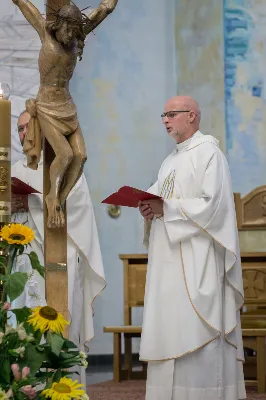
20	187
129	197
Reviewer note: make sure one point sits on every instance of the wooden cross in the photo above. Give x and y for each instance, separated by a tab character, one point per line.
55	240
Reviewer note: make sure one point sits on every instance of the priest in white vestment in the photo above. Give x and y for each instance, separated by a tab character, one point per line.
84	260
191	333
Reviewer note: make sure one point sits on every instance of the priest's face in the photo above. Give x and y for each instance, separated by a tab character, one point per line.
23	122
177	120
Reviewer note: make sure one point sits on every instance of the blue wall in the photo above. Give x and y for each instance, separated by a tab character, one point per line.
245	56
120	87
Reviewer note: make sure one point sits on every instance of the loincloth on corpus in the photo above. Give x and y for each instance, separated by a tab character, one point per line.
62	116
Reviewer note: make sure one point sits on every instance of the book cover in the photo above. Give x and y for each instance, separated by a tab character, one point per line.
129	197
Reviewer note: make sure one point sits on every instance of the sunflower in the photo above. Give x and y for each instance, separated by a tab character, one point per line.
17	234
65	389
47	318
3	395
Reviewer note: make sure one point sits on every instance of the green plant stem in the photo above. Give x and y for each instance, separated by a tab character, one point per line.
9	270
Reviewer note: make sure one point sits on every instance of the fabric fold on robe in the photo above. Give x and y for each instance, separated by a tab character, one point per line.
199	225
62	116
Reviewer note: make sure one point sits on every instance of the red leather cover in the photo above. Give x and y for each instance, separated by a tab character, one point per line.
129	197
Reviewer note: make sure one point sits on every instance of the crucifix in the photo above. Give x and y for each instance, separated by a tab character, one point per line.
54	122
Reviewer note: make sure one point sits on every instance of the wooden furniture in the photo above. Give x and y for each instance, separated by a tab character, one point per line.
127	331
255	339
254	281
135	267
251	209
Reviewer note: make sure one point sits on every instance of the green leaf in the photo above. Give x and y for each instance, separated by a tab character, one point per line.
3	244
14	284
57	375
20	248
36	264
21	314
69	345
33	358
5	370
56	342
3	261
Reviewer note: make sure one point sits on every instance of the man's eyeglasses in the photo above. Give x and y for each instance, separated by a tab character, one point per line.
172	114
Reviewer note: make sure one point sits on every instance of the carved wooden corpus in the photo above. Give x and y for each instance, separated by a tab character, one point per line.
55	240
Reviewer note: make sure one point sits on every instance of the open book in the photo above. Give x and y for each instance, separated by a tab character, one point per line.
129	197
20	187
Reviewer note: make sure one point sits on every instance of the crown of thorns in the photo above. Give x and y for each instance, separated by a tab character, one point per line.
56	13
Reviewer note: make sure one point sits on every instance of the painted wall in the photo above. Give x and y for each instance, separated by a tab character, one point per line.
220	53
120	89
199	60
245	56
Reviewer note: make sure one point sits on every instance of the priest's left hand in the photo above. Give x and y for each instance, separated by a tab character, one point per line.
155	205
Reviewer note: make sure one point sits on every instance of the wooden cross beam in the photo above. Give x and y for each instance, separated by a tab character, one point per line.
55	240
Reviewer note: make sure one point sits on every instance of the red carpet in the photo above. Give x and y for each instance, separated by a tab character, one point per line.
134	390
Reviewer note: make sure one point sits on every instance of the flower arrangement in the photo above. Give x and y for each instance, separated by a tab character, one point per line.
35	358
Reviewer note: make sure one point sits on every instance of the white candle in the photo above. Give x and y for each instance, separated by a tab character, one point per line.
5	154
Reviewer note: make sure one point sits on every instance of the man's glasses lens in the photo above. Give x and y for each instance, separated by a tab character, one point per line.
172	114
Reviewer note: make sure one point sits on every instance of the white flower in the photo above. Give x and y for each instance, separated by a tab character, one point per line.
83	359
30	338
82	355
1	338
10	329
21	332
20	351
84	397
84	363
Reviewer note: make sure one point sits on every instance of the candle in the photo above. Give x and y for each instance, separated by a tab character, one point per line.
5	154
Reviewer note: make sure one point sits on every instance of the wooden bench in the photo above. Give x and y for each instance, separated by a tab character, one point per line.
254	339
123	371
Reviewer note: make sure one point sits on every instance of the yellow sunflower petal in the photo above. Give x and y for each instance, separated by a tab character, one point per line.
65	389
47	318
17	234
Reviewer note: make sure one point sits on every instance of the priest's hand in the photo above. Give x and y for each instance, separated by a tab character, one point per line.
155	205
145	211
19	203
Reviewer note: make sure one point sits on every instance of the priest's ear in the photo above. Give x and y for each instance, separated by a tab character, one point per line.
194	116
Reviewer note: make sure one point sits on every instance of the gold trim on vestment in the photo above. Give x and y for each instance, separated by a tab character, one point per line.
228	341
205	230
201	317
184	354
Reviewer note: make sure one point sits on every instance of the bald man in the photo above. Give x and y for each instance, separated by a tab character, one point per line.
191	333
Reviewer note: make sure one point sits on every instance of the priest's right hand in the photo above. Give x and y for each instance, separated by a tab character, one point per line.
19	203
145	211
